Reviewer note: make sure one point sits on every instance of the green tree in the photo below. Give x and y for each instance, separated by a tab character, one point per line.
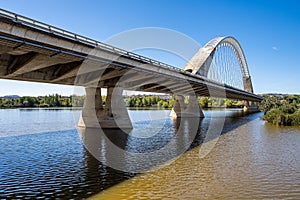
274	116
229	103
288	108
171	102
165	104
203	101
295	118
145	102
269	103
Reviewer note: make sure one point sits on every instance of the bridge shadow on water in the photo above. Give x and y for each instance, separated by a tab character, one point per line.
113	156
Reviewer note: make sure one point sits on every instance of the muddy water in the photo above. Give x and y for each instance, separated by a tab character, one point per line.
250	161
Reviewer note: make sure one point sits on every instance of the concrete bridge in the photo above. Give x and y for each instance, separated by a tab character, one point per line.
34	51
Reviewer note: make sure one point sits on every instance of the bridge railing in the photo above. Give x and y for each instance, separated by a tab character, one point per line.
67	34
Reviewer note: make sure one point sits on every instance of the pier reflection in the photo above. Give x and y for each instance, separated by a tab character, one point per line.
133	152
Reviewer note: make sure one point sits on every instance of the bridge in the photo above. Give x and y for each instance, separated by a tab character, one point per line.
34	51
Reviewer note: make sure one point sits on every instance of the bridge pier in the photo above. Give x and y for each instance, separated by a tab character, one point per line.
250	107
192	109
113	115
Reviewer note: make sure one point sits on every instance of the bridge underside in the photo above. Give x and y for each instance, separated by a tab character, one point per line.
23	61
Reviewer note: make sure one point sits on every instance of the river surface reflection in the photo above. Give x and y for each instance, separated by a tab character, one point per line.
250	160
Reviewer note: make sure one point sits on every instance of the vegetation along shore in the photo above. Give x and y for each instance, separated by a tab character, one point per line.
281	110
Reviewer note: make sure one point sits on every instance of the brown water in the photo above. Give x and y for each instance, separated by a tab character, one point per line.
250	161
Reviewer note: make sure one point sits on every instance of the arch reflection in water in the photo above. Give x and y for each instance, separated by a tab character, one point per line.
130	153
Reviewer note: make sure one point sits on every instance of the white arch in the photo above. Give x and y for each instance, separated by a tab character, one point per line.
201	61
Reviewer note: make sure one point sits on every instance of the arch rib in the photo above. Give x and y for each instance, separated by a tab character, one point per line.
201	61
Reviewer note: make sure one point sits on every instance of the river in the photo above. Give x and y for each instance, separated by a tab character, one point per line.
227	155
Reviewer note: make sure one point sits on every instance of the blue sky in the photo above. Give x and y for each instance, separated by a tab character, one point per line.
268	31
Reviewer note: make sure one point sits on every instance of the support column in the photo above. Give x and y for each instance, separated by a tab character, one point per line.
92	104
178	107
193	108
113	115
250	107
116	110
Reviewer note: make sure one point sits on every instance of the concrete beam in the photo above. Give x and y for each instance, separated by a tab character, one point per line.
134	76
34	62
5	60
115	73
63	73
53	73
20	61
144	80
160	83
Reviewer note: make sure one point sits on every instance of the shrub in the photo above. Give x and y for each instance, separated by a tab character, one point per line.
229	103
274	116
283	116
204	101
288	108
295	118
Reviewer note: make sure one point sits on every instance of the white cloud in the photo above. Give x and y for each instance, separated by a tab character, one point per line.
275	48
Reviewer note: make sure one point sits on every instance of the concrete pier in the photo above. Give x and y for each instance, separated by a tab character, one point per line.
192	109
113	115
251	107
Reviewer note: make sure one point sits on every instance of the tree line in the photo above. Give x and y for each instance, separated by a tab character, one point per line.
168	103
163	102
54	100
279	110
